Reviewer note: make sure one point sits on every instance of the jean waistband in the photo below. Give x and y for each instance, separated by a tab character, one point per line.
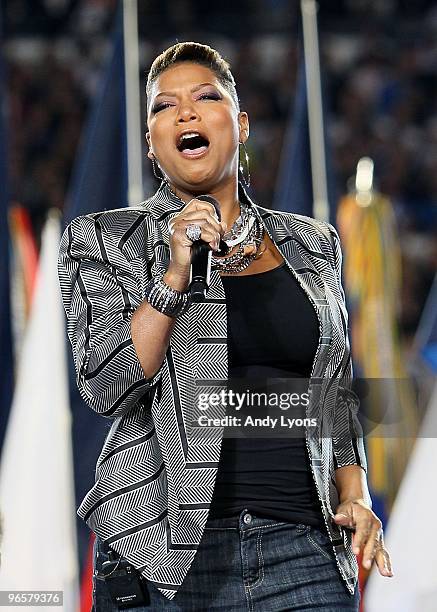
245	519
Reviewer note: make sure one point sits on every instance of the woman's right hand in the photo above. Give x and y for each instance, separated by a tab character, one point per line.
199	213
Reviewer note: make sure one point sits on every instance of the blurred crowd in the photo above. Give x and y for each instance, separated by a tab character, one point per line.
379	61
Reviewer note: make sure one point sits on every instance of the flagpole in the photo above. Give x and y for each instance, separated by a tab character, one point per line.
133	111
315	112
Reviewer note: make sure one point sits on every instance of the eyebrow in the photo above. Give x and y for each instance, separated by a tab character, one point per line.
195	88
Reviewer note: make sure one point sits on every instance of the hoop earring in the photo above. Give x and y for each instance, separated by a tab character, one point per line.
245	177
160	178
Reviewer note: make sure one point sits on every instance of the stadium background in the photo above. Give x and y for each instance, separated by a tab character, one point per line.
378	60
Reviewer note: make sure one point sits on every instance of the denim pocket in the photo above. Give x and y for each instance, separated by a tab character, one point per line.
320	541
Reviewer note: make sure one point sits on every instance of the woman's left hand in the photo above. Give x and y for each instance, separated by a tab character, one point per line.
368	536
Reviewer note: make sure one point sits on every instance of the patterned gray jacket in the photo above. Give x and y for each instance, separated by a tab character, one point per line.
155	474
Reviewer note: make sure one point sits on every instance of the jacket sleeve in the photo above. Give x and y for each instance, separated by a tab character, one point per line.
347	439
100	293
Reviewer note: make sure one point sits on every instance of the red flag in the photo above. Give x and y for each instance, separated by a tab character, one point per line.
86	587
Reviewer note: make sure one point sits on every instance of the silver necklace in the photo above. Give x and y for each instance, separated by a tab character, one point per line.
235	230
247	234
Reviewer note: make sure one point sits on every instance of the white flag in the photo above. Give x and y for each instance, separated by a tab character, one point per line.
38	546
411	535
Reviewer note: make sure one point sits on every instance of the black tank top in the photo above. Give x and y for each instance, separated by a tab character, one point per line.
272	331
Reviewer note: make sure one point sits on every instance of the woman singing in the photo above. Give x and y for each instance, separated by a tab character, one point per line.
191	518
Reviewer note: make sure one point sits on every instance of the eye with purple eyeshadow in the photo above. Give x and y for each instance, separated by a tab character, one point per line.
208	95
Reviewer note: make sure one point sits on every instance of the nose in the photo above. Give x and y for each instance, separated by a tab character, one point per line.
187	111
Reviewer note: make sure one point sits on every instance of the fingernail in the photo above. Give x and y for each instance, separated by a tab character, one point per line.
367	564
356	550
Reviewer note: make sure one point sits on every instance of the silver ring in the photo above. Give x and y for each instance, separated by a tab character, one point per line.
193	232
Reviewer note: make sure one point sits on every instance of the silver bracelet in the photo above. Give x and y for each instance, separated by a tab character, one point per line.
164	298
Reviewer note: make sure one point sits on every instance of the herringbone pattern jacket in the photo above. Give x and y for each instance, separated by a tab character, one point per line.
155	474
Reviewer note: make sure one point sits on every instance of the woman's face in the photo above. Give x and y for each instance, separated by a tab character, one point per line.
187	98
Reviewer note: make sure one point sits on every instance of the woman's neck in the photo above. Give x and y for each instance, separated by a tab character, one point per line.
226	196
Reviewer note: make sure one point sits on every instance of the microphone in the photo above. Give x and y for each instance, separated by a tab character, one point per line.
201	254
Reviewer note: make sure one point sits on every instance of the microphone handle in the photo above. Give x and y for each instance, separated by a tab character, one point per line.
201	254
200	270
224	249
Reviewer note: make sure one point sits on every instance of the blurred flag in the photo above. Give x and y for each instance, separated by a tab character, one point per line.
373	276
410	536
86	589
294	187
99	182
6	356
425	341
36	473
24	265
99	179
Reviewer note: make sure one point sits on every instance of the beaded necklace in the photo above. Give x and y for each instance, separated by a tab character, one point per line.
246	234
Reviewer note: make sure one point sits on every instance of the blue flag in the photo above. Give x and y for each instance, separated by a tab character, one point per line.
294	188
426	336
6	355
99	179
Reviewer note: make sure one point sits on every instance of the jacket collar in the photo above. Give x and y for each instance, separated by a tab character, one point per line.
165	202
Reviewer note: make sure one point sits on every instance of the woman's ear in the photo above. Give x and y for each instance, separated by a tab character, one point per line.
243	122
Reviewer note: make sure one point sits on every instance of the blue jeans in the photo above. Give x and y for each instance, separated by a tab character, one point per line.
254	564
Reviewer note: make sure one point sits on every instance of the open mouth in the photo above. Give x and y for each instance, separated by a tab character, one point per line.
192	144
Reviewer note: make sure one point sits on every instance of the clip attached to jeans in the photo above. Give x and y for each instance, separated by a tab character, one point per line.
125	585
